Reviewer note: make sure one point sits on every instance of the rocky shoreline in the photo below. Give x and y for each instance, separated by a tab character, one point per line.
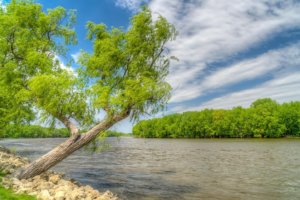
47	186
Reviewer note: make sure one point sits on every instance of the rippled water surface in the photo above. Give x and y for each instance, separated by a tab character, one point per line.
182	168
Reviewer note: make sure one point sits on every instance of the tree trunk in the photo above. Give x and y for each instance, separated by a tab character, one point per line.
65	149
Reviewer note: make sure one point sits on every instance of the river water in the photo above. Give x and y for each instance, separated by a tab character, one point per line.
138	169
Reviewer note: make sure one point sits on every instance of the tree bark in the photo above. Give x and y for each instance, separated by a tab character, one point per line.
65	149
71	126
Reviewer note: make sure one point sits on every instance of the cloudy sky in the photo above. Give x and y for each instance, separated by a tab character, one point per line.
230	52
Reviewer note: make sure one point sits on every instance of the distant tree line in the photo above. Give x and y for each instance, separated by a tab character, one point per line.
35	131
110	133
32	131
265	118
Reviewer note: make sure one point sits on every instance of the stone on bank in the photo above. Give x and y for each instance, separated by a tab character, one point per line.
47	186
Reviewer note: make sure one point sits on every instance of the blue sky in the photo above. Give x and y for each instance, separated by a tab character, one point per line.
230	52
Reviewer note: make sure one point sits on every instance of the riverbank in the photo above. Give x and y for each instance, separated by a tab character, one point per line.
47	186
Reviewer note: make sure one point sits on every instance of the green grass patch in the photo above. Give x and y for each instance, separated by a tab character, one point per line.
6	194
1	175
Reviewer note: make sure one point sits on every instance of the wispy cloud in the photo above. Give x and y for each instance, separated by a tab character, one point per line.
2	5
75	56
62	65
283	88
132	5
268	64
213	31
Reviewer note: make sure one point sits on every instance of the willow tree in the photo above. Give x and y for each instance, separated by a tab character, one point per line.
123	77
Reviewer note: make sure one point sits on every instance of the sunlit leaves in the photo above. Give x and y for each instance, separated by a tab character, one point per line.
128	67
124	74
61	96
27	49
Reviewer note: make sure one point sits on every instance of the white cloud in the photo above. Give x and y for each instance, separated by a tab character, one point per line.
213	31
270	63
75	56
283	88
133	5
65	67
2	4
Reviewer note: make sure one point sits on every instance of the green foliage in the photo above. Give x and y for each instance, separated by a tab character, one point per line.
127	70
264	118
110	133
266	115
100	144
32	131
290	117
2	175
124	74
59	95
29	41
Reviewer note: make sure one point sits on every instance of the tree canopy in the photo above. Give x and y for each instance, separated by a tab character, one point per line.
125	72
123	76
32	131
127	69
28	48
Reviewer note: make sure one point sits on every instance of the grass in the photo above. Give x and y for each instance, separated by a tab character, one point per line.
10	195
6	194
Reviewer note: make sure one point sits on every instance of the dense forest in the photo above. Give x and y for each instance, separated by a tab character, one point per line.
35	131
264	118
32	131
110	133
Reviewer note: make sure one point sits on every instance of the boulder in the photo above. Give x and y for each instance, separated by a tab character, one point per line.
44	194
54	178
47	186
60	195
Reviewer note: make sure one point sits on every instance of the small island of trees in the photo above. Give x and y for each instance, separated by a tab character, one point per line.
265	118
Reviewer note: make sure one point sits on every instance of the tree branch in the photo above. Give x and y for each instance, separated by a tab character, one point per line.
11	40
70	125
105	124
158	55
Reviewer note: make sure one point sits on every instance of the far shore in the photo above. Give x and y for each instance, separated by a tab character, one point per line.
131	136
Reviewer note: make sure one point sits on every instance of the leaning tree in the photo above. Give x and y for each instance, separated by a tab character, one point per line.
123	77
